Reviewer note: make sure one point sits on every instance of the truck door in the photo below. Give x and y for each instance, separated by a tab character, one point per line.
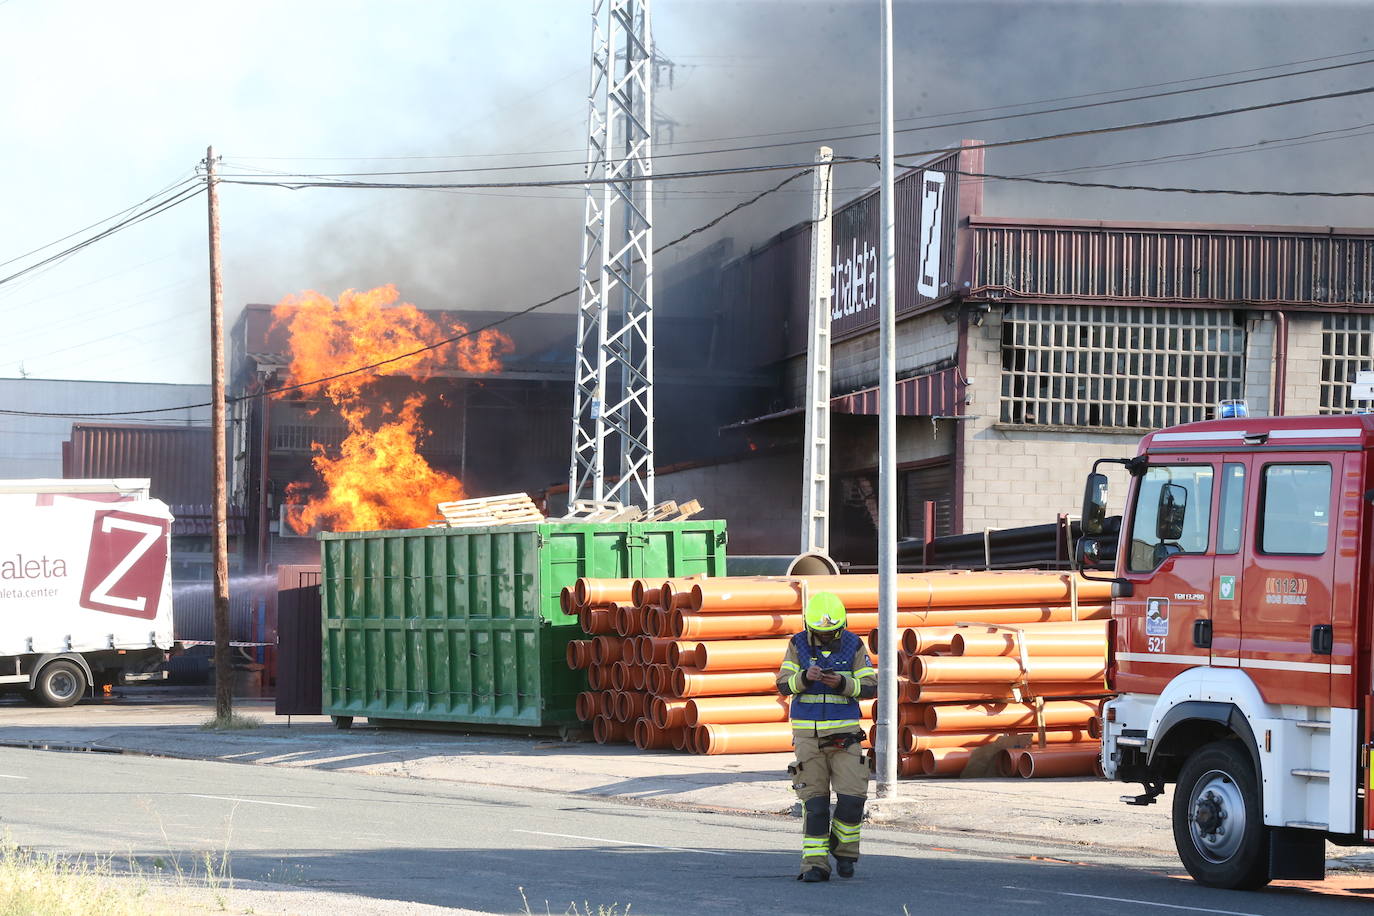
1287	591
1235	505
1169	562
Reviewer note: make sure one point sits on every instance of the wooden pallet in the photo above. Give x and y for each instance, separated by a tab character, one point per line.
510	509
592	510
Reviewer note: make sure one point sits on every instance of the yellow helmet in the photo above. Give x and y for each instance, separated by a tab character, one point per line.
825	613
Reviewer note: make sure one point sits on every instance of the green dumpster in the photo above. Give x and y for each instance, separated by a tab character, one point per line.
464	625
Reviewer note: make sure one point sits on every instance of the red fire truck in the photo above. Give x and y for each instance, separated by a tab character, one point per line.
1243	617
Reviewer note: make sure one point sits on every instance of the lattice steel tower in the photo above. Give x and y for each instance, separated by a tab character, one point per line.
613	399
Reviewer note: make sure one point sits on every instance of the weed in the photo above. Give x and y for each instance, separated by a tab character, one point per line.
230	723
573	910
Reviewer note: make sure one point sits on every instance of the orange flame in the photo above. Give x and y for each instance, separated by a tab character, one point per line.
379	479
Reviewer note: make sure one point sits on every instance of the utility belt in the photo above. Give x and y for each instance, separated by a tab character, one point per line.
839	742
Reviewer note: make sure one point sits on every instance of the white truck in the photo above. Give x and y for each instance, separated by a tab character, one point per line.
85	586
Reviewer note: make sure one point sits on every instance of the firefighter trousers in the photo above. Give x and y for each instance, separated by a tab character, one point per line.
816	771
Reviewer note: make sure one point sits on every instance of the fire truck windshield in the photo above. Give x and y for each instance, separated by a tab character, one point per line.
1148	548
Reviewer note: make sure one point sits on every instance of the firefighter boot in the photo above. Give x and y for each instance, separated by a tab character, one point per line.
814	875
844	867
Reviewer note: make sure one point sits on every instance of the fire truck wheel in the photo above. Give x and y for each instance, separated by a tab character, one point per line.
1219	819
60	683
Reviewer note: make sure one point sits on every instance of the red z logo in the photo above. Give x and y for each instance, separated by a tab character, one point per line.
126	564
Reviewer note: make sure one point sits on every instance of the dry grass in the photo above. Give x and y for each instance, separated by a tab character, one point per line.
232	722
34	884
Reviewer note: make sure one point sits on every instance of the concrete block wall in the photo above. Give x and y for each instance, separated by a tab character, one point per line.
1020	476
1302	393
758	497
1259	364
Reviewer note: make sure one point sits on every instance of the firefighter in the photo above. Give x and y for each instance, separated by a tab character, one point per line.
826	672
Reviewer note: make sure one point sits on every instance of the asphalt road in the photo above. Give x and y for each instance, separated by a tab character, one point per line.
475	847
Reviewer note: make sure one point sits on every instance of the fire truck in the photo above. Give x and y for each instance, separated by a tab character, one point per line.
1243	616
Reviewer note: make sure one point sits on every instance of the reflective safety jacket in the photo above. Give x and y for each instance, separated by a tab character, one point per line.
816	708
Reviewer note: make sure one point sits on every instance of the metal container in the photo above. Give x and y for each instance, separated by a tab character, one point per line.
464	625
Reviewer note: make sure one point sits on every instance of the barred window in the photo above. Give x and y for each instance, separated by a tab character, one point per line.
1346	350
1121	367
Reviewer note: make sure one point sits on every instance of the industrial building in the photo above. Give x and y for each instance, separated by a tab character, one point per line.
1026	348
33	444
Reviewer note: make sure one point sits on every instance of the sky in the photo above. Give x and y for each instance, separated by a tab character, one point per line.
106	105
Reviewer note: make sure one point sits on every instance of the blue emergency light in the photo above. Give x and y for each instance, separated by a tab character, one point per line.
1233	409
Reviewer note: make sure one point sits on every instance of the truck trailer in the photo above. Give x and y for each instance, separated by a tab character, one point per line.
1243	616
85	586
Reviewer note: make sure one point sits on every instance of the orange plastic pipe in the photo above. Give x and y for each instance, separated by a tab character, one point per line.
945	717
629	705
743	623
667	713
689	682
925	640
729	710
585	706
607	650
740	654
951	693
644	595
603	591
939	669
605	703
751	738
574	656
648	736
1004	643
638	677
682	653
567	603
620	676
944	761
597	677
914	591
908	765
606	730
1095	728
595	621
676	592
682	739
1068	760
917	738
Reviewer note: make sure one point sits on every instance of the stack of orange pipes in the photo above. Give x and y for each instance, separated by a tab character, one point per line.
690	663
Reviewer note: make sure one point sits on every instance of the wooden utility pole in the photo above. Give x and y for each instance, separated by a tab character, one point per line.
224	675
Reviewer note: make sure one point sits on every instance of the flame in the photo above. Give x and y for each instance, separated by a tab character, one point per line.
379	479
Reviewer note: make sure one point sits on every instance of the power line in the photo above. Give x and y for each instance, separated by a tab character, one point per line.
1322	136
180	197
442	343
175	184
859	136
1237	192
1138	125
816	130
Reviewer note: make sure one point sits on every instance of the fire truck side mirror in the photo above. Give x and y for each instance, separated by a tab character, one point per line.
1173	509
1089	553
1095	506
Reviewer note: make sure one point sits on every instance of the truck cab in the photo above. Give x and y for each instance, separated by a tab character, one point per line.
1241	639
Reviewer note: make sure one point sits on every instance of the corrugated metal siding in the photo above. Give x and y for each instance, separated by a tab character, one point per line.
933	395
176	459
1177	264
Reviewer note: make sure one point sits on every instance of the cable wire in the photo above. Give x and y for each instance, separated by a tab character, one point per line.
543	303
